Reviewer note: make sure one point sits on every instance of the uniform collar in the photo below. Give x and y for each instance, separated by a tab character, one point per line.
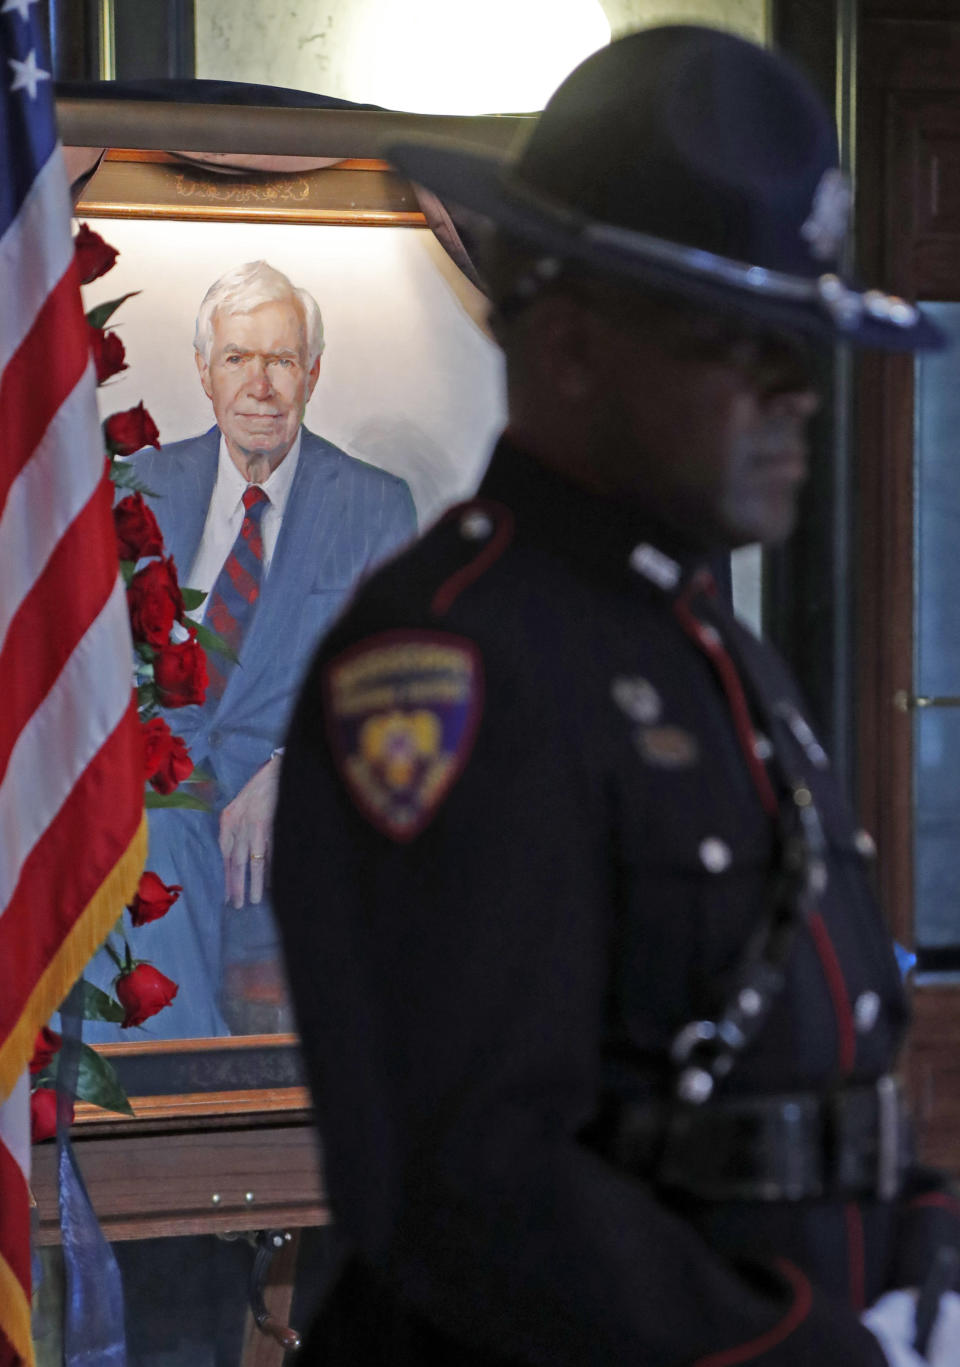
586	527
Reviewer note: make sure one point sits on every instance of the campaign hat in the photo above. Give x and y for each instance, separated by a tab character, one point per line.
687	161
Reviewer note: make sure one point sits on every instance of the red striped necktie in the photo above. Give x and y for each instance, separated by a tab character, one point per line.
233	598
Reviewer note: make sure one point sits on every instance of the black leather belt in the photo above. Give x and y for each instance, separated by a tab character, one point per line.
793	1146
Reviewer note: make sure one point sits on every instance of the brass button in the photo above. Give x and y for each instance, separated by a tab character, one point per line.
476	525
715	854
866	1012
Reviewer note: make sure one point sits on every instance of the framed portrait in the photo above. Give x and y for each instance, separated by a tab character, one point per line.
410	384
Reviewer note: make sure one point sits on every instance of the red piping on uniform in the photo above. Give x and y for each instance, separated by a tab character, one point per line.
941	1200
449	591
753	1348
846	1039
733	688
855	1257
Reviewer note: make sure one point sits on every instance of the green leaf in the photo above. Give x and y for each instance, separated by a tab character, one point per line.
127	568
192	598
97	1005
144	649
198	776
211	641
124	476
147	695
96	1082
99	315
177	799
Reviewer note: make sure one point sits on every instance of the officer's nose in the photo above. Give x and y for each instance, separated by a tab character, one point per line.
800	402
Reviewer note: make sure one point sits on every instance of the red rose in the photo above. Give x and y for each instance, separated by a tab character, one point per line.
180	675
46	1044
108	353
94	256
43	1114
166	759
136	527
143	992
153	899
155	602
126	432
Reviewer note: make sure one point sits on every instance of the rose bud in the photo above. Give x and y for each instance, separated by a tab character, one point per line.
166	759
136	527
180	674
43	1114
143	992
128	431
94	256
153	899
108	353
46	1044
155	602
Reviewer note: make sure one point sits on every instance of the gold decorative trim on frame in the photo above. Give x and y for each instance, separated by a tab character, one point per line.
155	185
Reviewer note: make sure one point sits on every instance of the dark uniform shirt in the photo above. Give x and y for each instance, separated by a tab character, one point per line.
528	823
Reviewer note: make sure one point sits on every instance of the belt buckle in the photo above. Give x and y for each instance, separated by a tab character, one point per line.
889	1137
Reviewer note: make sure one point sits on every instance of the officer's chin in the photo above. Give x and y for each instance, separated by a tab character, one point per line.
768	524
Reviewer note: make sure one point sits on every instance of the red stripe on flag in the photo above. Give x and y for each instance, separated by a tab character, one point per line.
44	369
71	592
14	1218
69	862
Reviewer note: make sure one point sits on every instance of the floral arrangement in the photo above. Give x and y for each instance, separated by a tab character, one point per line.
170	671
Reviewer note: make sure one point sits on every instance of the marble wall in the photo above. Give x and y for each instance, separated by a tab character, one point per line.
748	17
331	45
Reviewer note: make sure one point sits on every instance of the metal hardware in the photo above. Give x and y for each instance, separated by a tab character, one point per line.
268	1243
915	702
889	1138
697	1032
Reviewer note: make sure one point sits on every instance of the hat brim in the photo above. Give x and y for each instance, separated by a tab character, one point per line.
481	183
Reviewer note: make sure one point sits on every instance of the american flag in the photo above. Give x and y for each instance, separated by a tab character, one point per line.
72	834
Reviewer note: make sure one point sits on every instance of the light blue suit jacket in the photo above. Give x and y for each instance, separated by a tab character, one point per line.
341	518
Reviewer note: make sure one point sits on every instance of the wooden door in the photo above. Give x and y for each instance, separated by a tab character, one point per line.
908	215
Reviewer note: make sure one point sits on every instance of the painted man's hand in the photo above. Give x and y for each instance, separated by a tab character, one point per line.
246	832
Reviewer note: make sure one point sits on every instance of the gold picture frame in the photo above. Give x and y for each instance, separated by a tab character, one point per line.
206	1080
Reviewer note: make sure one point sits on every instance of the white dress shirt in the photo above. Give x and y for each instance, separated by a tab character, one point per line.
225	518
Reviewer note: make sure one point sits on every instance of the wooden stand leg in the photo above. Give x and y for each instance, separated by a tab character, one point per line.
260	1349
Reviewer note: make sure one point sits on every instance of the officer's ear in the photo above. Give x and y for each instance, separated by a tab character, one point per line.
560	344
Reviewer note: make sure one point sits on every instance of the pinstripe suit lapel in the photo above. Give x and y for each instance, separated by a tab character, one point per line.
185	486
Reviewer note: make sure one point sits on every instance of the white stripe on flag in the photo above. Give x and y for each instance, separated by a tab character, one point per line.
15	1124
34	253
82	709
52	488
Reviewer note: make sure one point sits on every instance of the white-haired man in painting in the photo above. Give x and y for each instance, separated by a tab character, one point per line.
275	525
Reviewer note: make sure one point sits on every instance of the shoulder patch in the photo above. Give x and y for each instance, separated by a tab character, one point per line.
402	711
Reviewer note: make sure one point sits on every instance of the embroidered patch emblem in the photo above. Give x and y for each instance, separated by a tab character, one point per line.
667	747
637	698
402	710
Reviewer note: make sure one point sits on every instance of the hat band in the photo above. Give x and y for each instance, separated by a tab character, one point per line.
845	306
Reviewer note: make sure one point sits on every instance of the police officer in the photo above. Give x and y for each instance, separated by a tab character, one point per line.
598	1011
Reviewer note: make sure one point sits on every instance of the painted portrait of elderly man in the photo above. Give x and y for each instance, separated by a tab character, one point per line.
274	524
